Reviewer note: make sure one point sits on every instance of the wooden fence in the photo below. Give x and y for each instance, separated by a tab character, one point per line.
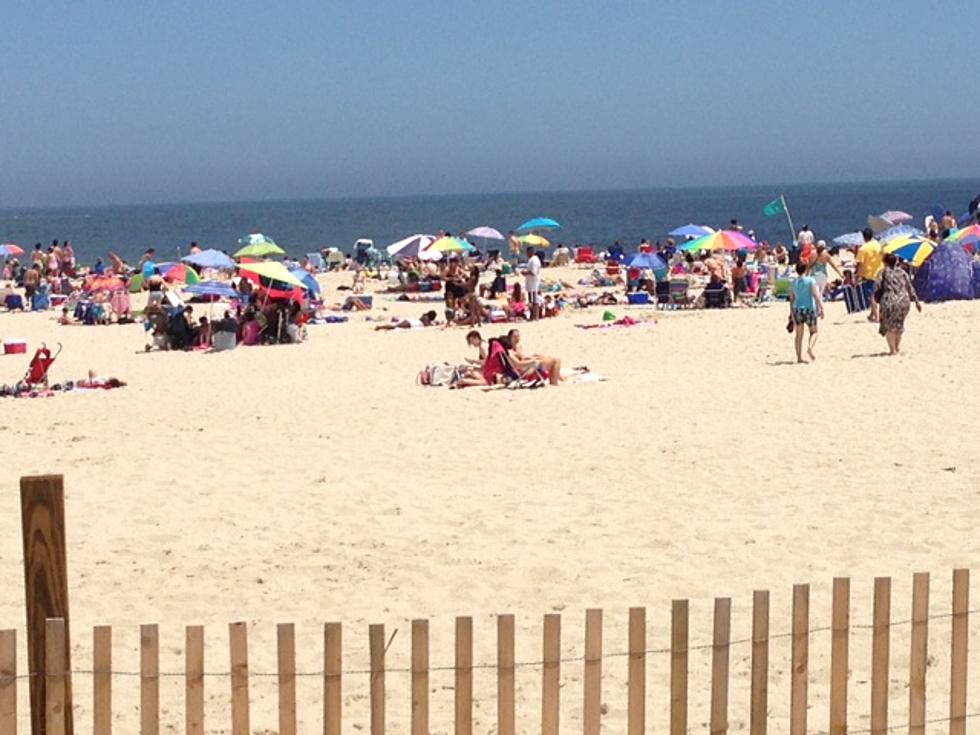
594	662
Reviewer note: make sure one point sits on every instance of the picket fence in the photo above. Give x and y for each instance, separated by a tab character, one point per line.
57	689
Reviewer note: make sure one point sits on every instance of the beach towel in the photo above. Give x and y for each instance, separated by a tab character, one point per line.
626	321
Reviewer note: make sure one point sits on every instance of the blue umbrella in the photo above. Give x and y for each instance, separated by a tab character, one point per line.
218	289
210	259
689	231
539	223
308	280
897	231
647	260
849	240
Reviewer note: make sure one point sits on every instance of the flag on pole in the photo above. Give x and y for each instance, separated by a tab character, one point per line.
776	206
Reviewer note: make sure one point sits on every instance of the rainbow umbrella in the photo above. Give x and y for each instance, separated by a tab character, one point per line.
721	240
911	248
968	237
178	272
449	245
535	240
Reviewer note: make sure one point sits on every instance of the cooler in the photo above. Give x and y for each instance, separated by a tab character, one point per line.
15	347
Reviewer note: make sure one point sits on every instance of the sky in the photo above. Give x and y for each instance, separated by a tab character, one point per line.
129	102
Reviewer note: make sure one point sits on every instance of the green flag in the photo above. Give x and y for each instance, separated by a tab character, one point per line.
776	206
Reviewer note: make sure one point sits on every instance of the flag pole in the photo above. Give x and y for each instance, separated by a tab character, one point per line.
789	218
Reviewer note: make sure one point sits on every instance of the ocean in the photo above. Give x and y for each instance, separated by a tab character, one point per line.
588	217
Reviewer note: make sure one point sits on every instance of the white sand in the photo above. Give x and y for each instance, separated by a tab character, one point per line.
316	482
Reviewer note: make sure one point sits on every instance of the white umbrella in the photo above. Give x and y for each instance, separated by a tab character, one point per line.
410	246
487	233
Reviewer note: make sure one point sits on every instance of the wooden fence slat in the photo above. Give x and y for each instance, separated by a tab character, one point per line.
102	680
679	612
919	654
333	662
194	680
800	657
506	684
463	700
376	645
959	652
839	651
286	670
8	682
54	666
759	697
720	658
238	650
551	674
880	650
592	675
149	680
420	677
637	702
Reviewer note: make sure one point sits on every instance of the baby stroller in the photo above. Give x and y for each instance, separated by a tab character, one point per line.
37	371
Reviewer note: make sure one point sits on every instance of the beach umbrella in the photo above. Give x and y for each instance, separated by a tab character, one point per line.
447	244
849	240
649	261
690	230
535	241
258	245
486	233
720	240
213	289
898	231
410	246
913	249
878	223
968	237
8	248
273	271
308	280
210	258
104	283
174	272
896	217
539	223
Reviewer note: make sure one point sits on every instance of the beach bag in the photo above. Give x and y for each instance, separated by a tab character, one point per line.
437	375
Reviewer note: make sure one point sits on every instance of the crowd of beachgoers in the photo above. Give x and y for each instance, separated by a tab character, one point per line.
210	300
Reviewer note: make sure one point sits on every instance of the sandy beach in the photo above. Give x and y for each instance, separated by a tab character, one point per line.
316	482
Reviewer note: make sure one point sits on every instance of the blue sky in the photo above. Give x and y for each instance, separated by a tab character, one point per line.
124	102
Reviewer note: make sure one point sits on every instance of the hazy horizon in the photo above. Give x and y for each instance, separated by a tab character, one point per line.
116	103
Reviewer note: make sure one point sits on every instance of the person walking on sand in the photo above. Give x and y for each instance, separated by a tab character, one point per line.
532	282
895	294
806	306
869	265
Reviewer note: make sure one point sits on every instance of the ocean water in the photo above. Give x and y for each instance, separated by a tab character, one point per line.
588	217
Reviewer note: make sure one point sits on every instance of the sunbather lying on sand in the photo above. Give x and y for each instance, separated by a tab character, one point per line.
428	320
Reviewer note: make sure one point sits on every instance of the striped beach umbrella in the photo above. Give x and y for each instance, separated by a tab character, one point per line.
721	240
968	237
911	248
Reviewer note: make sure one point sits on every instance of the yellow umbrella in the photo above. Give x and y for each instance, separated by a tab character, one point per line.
274	270
535	240
911	248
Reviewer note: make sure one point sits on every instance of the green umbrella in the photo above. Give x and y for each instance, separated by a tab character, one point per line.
258	245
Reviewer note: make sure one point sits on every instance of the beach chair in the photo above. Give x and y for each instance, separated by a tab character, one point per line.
854	299
612	269
716	296
663	293
37	371
585	255
781	291
679	296
14	302
335	260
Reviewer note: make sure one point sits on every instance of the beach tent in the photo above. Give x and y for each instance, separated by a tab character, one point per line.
946	276
976	280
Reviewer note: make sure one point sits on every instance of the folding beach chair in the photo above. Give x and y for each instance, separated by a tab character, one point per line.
855	300
316	260
585	255
679	297
663	293
37	371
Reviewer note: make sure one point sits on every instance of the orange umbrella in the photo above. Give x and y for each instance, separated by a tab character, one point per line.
105	283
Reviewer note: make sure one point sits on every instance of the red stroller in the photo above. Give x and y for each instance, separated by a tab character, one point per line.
37	372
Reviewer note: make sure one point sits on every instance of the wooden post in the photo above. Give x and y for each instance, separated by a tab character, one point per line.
238	651
759	697
880	644
102	680
592	676
801	657
839	645
42	510
286	665
149	680
721	640
918	656
55	641
420	677
959	651
678	667
376	641
194	680
464	676
333	658
506	686
636	706
551	675
8	682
